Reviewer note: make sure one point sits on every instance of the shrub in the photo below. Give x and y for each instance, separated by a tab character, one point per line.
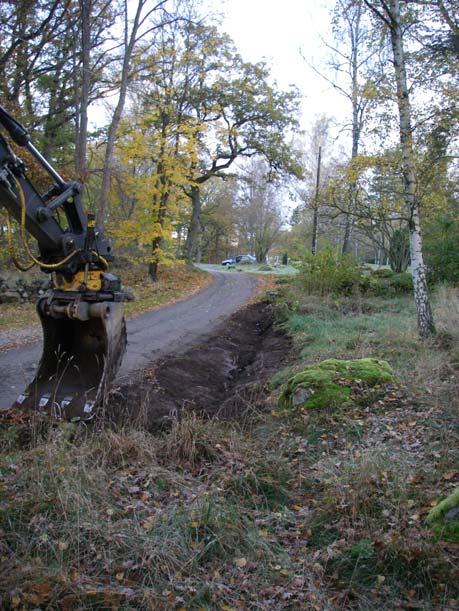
383	273
442	248
328	272
386	283
402	283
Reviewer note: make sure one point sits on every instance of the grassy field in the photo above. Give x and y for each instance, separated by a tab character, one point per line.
255	268
317	510
174	283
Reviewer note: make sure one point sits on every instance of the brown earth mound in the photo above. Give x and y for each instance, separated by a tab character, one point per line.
222	376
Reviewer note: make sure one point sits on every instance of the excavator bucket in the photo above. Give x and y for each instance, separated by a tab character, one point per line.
80	358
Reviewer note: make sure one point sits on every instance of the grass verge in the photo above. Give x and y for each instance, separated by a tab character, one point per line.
255	268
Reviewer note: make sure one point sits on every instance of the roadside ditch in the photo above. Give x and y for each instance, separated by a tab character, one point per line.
223	376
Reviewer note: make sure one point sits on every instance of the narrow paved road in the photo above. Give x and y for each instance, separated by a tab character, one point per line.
171	329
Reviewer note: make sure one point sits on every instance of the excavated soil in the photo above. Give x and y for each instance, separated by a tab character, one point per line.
224	375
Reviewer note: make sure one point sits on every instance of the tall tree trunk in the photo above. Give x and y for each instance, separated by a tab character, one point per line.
153	266
356	128
421	297
346	248
130	40
315	218
85	83
195	223
217	246
157	242
198	256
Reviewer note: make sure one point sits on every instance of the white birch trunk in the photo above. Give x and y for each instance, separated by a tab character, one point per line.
421	297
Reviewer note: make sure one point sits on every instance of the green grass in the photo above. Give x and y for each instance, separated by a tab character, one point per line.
387	333
280	270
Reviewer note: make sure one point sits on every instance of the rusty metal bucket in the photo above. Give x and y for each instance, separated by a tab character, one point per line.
80	358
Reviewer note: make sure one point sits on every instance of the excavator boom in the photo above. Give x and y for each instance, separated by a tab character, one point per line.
84	334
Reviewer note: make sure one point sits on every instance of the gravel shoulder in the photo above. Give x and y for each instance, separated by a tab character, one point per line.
172	329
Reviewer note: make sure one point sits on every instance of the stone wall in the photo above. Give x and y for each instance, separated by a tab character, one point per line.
21	291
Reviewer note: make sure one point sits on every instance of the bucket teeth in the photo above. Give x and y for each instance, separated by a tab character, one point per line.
88	407
43	402
65	402
79	360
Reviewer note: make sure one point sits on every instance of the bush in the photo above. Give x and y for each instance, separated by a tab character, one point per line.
402	283
383	273
386	283
442	249
328	272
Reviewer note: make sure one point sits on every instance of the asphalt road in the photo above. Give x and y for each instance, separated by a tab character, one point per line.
171	329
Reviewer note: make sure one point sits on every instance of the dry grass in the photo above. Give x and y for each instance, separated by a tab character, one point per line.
324	511
446	305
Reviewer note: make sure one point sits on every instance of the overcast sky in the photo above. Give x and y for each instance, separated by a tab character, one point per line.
283	32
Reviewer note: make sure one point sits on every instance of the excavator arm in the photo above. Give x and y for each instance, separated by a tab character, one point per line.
84	336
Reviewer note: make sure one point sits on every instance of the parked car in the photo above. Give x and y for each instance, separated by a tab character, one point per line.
230	261
246	259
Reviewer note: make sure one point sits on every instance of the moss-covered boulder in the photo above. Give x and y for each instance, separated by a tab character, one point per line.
444	518
331	383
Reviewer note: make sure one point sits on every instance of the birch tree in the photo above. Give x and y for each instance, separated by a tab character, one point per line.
316	162
389	14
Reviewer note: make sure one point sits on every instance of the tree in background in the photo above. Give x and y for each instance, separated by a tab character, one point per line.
259	210
353	59
250	118
53	67
317	166
156	160
219	219
149	18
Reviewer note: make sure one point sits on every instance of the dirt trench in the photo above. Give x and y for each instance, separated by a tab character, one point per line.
224	375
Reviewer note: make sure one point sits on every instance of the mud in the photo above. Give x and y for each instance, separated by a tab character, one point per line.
224	375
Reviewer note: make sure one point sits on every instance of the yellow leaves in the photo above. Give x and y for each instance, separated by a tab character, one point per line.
155	153
240	562
370	90
149	523
359	165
